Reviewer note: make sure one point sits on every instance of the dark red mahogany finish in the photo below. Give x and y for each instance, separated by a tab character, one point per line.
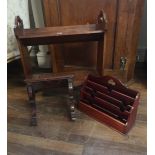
107	100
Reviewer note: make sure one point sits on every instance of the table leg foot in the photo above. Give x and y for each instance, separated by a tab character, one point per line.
31	95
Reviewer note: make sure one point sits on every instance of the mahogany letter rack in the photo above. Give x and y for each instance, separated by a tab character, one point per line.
107	100
56	35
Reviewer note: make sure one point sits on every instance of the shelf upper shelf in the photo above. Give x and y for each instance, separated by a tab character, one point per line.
59	34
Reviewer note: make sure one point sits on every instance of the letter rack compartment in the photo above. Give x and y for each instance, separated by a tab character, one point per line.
110	102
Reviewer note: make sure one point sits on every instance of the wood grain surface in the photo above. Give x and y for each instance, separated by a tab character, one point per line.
56	135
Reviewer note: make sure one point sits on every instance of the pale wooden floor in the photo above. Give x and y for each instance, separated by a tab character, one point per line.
56	135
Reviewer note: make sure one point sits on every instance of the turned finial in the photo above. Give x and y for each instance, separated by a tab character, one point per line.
102	20
18	22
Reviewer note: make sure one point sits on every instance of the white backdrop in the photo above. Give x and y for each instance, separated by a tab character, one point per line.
14	8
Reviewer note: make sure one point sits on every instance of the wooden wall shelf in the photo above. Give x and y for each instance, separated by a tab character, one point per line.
61	34
57	35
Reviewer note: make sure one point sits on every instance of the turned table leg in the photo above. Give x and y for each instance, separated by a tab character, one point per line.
71	99
31	95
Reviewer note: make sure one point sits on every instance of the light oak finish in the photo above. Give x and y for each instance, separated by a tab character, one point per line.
121	39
